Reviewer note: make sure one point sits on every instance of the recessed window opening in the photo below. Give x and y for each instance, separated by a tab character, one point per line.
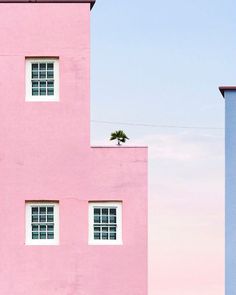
42	79
42	223
105	223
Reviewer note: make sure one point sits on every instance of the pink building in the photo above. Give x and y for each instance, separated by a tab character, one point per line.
73	217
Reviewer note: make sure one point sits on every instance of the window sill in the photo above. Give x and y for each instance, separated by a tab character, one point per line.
55	243
42	99
105	243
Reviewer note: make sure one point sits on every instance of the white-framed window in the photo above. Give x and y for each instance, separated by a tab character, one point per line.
42	79
42	223
105	223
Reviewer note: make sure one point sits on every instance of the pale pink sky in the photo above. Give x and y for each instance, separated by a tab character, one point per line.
186	215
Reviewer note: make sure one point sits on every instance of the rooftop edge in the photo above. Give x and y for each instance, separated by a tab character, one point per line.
92	2
226	88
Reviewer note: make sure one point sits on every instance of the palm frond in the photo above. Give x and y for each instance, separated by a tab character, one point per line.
119	135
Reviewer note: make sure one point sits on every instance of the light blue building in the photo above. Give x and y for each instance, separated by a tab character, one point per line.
229	93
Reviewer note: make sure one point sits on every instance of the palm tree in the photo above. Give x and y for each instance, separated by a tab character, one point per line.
119	135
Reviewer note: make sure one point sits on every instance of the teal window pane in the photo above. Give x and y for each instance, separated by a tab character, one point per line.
42	227
50	235
105	236
105	233
34	210
35	218
42	218
97	236
105	211
112	219
42	210
50	84
97	211
42	91
43	236
43	84
112	229
104	219
35	84
35	67
50	74
34	227
35	75
112	211
42	66
96	219
96	228
50	66
50	210
112	236
50	227
50	218
50	91
35	91
35	236
42	74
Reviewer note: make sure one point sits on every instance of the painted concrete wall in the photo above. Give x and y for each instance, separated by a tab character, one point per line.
230	193
45	154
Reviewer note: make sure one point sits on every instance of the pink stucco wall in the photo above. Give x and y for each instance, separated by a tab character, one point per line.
45	154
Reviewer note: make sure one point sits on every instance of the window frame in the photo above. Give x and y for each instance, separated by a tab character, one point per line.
105	204
28	223
28	80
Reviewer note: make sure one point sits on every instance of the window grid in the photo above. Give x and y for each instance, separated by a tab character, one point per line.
42	78
42	222
105	223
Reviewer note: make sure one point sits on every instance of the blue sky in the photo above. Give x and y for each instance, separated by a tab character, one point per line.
161	62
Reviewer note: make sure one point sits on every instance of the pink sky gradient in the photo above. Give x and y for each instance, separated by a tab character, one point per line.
186	215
